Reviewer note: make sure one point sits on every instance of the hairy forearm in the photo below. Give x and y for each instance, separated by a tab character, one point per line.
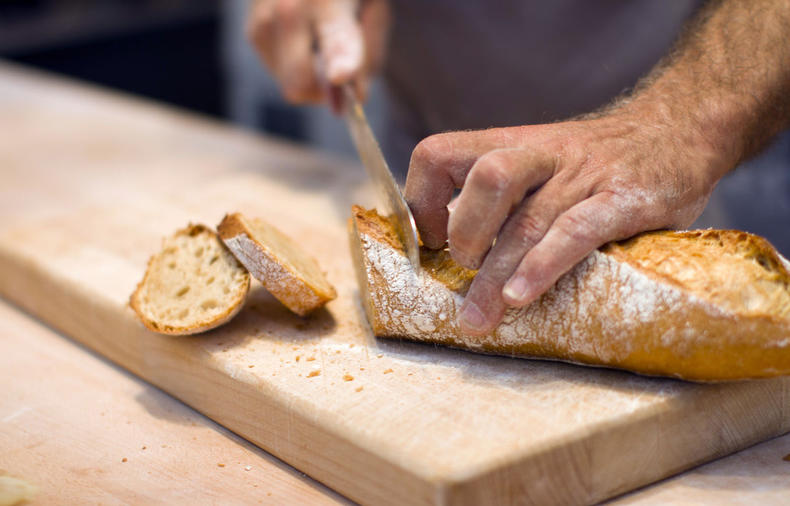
727	80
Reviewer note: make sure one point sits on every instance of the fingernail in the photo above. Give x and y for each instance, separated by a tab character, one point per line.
461	258
471	317
516	289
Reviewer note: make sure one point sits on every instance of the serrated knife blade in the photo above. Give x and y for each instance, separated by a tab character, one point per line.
394	205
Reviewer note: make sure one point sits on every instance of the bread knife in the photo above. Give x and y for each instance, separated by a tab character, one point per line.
389	192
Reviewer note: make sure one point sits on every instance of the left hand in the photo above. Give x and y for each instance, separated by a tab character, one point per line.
536	200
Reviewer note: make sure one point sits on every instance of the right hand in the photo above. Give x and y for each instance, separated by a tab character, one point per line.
349	35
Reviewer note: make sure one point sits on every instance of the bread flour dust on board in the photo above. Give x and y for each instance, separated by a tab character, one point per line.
200	279
706	305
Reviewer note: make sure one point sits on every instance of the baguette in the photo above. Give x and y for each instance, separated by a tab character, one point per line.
192	285
706	305
278	262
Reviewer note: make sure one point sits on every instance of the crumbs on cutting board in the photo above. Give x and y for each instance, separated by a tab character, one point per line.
314	373
124	459
309	359
348	377
358	389
220	464
387	371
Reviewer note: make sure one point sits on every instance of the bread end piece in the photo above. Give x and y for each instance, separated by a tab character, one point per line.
278	262
626	306
192	285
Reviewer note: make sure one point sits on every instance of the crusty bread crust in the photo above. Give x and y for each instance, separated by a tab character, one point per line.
231	304
278	262
622	307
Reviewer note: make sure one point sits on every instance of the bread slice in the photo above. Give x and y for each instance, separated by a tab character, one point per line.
278	262
703	305
194	284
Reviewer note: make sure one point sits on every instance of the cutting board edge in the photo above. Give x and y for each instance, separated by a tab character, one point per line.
31	280
451	488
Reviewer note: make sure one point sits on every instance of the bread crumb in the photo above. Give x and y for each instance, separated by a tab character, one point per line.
388	371
409	374
247	468
379	355
164	446
348	377
298	357
337	351
358	389
124	459
309	359
220	464
313	374
144	447
361	368
251	366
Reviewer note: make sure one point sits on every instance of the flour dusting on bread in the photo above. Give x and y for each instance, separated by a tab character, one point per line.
278	262
609	310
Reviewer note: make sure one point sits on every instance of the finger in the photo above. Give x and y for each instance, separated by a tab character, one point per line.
339	39
374	20
281	34
496	183
484	305
294	55
574	234
260	31
438	166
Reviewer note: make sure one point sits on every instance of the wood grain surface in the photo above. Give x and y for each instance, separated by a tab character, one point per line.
68	432
83	431
90	182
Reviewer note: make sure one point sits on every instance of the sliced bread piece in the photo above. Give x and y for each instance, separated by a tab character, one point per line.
278	262
704	305
192	285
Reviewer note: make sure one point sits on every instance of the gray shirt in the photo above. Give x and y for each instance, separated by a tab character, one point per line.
469	64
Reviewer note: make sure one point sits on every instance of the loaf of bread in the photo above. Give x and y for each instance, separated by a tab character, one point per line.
704	305
192	285
278	262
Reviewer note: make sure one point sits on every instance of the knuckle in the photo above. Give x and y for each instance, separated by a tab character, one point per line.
530	229
260	23
492	173
577	227
287	10
430	151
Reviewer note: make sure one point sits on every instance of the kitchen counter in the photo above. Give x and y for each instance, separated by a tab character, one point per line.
99	179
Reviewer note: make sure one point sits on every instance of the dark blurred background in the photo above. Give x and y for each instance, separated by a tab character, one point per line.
190	53
164	49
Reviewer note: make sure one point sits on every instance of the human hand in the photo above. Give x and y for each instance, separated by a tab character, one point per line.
347	36
536	200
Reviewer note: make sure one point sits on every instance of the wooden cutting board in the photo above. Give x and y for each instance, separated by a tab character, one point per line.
91	181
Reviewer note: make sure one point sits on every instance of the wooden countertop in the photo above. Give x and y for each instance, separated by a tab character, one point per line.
84	430
70	418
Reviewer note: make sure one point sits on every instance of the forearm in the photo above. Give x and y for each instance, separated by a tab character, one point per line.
727	82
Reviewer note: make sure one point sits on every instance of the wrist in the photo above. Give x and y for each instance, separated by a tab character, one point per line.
704	133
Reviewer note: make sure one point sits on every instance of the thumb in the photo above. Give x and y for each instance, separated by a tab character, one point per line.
339	40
